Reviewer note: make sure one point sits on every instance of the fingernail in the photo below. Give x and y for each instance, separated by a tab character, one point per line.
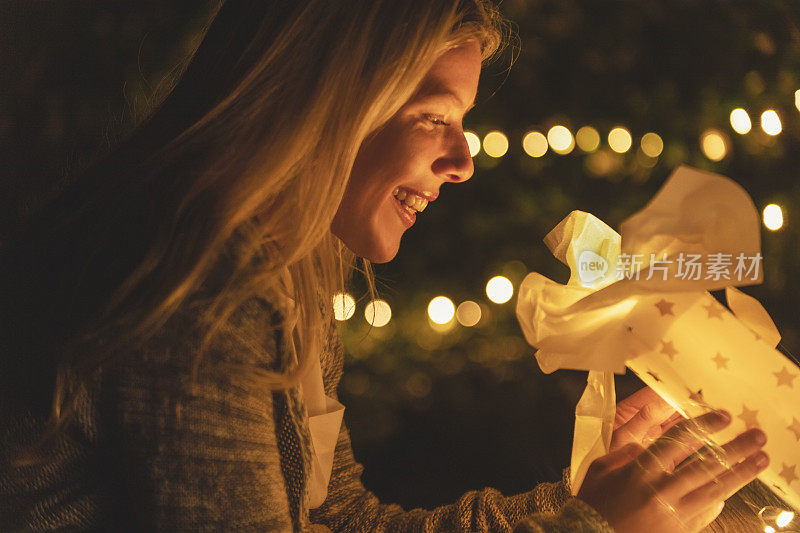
762	460
760	437
724	415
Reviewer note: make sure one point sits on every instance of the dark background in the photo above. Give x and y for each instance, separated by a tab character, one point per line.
433	415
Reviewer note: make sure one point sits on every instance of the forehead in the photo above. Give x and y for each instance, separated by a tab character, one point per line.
455	73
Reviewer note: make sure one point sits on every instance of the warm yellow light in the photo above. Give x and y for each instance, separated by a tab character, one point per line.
474	143
499	289
343	306
378	313
652	145
560	140
784	518
740	121
619	139
773	217
468	313
770	122
587	139
534	144
441	310
495	144
713	144
769	529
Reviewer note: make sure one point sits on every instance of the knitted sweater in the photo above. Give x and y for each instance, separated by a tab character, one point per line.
142	455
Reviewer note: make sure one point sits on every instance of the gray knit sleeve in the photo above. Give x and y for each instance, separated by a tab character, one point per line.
350	507
204	459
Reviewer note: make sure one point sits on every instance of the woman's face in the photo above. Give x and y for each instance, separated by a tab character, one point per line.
399	169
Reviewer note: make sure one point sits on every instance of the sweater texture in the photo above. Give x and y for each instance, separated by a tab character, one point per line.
144	454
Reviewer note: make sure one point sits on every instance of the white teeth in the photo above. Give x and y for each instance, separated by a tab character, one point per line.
411	200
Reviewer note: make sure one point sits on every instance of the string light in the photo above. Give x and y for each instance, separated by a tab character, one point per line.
468	313
499	289
495	144
784	518
474	143
771	122
441	310
378	313
560	140
775	516
713	144
740	121
652	145
797	99
588	139
773	217
534	144
619	139
343	306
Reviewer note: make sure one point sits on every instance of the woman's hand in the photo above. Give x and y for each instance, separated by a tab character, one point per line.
654	490
641	418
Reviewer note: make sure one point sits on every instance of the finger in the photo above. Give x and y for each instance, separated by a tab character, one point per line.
644	426
618	458
725	485
681	441
700	521
631	405
713	462
671	421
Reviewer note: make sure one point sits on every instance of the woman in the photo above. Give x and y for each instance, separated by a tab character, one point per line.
167	342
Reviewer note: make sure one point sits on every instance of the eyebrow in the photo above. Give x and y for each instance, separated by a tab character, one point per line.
447	93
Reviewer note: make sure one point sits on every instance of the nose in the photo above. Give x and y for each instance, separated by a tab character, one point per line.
455	164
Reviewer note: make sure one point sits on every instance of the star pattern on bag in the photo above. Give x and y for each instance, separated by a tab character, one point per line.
788	473
714	310
785	377
749	417
664	307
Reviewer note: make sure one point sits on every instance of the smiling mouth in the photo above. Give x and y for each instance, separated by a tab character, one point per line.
408	215
411	199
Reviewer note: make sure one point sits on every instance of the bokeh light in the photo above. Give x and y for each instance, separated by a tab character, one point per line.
535	144
587	139
784	518
441	310
797	99
378	313
619	139
468	313
499	289
770	122
740	121
560	140
773	217
714	145
495	144
474	143
343	306
652	145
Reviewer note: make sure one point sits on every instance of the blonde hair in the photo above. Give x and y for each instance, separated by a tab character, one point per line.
229	189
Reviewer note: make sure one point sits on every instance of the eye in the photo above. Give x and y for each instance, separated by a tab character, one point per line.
436	119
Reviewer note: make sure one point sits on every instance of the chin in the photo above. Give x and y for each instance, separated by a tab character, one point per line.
381	255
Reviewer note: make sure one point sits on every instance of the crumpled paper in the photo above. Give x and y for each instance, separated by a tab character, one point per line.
650	316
